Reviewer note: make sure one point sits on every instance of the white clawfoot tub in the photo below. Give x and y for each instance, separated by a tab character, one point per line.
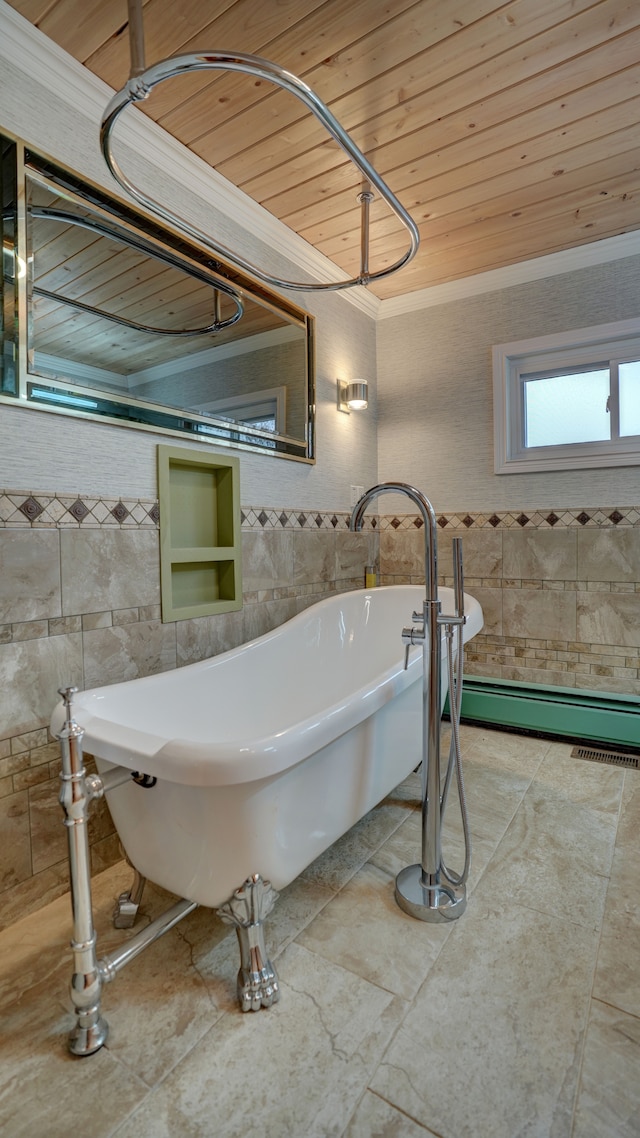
266	754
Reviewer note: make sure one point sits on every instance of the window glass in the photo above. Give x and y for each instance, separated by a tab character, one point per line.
261	422
563	409
629	385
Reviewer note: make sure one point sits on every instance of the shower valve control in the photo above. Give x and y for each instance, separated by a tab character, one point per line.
412	636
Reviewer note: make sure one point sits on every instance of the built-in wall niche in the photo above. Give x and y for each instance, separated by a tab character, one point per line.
125	320
200	538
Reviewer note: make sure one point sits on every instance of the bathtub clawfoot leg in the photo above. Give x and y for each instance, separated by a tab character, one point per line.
246	910
128	903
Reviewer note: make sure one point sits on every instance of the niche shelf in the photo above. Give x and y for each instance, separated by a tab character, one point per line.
200	543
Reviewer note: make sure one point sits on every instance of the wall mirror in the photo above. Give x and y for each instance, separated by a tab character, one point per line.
122	319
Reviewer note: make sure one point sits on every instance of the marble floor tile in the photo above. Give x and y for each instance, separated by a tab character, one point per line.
503	749
617	980
597	785
609	1099
43	1089
557	853
492	797
629	823
327	1034
374	1116
364	930
618	972
484	1013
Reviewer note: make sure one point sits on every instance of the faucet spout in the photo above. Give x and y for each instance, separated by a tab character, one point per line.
428	516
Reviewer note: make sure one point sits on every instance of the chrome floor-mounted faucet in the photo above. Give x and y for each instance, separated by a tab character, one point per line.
428	891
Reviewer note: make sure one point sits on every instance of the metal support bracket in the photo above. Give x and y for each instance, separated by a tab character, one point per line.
91	1030
77	792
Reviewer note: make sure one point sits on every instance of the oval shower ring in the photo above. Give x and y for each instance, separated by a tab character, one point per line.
139	86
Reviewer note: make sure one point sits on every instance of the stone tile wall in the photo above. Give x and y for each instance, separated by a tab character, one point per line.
560	591
80	604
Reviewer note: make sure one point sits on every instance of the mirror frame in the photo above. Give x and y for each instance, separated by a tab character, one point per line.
26	389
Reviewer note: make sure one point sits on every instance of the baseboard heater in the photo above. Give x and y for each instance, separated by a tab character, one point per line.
566	713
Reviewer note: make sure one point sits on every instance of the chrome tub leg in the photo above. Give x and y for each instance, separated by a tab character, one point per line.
91	1030
128	903
247	909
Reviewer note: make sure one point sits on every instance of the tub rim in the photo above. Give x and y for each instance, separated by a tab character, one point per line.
197	763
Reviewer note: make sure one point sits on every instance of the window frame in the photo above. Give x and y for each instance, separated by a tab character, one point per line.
609	344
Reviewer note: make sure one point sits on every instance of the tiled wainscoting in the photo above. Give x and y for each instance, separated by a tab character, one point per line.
560	591
80	604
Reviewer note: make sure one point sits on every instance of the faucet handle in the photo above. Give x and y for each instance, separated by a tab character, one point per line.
67	695
411	636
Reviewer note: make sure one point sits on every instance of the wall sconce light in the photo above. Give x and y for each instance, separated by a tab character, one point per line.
352	396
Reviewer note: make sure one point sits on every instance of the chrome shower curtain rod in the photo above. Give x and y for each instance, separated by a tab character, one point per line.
143	80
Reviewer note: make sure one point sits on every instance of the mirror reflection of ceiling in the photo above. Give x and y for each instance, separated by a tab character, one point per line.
108	275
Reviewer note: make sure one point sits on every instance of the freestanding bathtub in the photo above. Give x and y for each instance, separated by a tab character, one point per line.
266	754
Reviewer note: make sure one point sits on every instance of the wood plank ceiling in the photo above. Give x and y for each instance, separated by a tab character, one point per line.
508	130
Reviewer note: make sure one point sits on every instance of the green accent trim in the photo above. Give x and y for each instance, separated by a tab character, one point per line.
572	713
200	535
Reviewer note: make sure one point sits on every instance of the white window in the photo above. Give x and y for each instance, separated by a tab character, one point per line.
263	410
568	401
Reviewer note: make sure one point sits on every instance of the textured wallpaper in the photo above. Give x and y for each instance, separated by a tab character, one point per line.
436	392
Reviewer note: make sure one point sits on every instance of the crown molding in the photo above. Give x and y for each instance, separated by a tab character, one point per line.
27	48
248	344
551	265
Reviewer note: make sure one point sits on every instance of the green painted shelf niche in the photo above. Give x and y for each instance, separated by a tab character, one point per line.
200	540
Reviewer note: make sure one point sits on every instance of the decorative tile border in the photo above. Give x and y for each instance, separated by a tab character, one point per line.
24	508
535	519
260	517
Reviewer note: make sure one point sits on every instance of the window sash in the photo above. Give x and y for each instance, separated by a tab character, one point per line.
583	350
